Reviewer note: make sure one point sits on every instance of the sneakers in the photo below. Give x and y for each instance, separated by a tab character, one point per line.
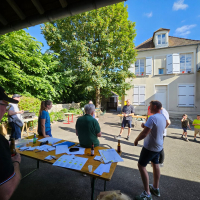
144	196
186	140
118	137
195	139
181	136
128	138
161	164
154	191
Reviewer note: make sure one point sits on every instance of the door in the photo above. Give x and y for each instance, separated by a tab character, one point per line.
161	94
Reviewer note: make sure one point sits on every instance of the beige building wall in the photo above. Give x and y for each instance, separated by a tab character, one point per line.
171	81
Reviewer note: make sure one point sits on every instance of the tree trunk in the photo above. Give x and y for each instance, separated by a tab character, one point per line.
98	98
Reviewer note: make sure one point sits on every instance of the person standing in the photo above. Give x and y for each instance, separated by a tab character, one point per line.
15	115
185	125
87	128
10	175
153	145
44	123
127	112
196	124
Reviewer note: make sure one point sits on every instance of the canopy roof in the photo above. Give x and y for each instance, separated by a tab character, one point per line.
19	14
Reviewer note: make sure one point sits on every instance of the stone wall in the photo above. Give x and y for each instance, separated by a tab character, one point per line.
59	107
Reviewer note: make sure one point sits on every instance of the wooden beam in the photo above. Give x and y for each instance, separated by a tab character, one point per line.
16	9
3	20
38	6
63	3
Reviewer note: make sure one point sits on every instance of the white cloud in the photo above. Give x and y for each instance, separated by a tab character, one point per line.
179	5
184	31
148	14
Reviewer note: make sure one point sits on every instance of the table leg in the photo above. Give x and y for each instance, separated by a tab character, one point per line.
32	170
104	185
92	186
22	129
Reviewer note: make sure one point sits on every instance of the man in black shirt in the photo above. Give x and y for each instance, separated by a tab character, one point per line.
127	112
10	175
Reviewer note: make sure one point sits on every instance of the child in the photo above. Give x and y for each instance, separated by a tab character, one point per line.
196	124
185	124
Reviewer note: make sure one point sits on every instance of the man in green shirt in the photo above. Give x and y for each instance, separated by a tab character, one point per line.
196	124
87	128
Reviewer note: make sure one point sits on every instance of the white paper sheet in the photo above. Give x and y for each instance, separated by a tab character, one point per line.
51	140
102	168
32	148
28	148
48	158
71	161
110	155
61	149
98	158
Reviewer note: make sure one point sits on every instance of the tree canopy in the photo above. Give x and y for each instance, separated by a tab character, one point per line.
24	69
98	46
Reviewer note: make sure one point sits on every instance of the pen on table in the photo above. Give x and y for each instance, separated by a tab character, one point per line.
53	157
38	151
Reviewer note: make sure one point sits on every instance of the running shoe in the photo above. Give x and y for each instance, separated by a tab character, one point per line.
195	139
128	138
154	191
186	140
144	196
118	137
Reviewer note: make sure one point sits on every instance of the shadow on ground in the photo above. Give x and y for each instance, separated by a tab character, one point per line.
50	183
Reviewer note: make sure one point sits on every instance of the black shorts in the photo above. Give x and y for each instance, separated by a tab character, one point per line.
129	122
146	156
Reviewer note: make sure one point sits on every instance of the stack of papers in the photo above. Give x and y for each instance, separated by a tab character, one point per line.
102	168
71	162
51	140
45	148
110	155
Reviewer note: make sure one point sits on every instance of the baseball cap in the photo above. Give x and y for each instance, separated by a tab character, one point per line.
4	97
16	95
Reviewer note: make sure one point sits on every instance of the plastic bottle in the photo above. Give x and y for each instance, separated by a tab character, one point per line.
34	138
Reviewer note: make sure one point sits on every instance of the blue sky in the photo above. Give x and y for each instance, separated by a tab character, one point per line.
182	17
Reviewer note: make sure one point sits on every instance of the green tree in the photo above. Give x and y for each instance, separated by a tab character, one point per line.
97	46
25	70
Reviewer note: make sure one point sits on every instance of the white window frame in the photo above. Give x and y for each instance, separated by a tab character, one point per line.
185	54
161	38
139	103
139	66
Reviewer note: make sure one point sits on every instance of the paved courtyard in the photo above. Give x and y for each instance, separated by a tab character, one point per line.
180	177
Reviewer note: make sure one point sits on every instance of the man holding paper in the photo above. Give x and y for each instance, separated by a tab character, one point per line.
87	128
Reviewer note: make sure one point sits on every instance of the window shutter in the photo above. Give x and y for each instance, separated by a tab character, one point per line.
169	64
148	65
191	95
136	95
142	95
132	68
176	63
186	95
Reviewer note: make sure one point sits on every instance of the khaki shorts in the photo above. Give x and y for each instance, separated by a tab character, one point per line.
196	131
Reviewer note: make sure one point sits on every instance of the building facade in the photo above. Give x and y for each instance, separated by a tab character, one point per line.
167	69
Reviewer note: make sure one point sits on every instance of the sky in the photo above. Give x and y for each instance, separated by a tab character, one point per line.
182	17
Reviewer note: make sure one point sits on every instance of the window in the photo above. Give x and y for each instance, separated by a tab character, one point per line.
186	95
162	39
185	63
161	71
139	95
139	67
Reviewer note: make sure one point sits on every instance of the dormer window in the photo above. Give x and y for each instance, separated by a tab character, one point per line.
161	39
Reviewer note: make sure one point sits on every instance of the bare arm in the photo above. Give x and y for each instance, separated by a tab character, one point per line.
7	189
10	112
99	134
168	123
142	135
189	125
182	119
43	128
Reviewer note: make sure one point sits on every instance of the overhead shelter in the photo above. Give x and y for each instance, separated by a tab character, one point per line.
19	14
